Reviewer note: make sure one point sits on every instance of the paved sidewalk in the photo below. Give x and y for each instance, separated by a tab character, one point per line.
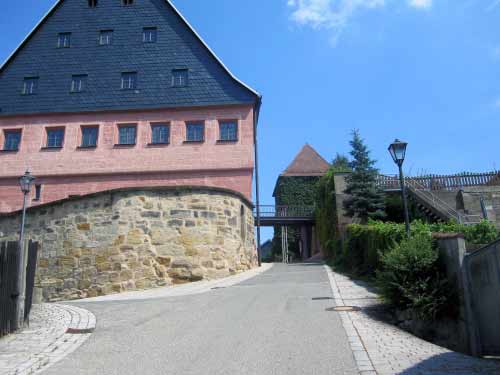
46	340
384	349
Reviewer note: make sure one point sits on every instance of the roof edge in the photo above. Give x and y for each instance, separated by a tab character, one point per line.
23	42
255	92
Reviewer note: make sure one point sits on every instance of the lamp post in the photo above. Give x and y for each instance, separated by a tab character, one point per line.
398	152
25	183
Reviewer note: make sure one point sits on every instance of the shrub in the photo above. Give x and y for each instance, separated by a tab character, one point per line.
479	234
363	245
411	278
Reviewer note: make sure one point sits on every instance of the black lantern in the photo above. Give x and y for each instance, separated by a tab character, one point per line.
398	151
25	181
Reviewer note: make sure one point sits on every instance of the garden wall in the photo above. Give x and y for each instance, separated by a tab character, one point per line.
132	239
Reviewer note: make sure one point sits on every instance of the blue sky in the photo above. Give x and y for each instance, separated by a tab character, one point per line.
426	71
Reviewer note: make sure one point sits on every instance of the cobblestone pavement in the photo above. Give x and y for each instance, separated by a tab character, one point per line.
383	349
47	339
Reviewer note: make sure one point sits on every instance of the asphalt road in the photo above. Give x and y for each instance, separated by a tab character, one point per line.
265	325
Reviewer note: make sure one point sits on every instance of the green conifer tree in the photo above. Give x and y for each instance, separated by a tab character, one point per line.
341	163
365	200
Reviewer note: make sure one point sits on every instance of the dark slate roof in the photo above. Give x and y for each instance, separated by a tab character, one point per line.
178	46
307	163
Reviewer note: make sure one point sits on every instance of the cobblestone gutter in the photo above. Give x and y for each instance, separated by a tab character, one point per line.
54	332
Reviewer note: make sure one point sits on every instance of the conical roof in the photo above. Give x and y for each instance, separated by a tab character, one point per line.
307	163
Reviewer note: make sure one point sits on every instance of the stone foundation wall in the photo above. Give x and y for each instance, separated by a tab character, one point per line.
135	239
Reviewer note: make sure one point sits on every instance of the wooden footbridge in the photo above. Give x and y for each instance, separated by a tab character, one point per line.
284	215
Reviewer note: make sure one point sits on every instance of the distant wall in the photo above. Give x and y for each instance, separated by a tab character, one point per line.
137	238
340	197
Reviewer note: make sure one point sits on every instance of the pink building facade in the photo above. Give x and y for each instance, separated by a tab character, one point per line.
73	170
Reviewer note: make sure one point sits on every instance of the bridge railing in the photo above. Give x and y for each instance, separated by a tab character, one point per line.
442	182
285	211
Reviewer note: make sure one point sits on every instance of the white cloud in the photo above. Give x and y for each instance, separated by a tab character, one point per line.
420	4
334	15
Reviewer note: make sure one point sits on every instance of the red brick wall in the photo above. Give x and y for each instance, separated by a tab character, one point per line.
71	171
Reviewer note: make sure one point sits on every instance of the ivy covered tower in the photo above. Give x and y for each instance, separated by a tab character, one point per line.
296	186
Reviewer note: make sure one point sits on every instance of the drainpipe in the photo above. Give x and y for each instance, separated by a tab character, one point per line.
257	193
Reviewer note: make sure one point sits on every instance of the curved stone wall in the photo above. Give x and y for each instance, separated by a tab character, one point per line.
135	239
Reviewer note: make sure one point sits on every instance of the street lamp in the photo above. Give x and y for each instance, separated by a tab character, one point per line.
398	152
25	183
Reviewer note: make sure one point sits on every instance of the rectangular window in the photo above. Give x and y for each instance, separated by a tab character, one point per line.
38	192
55	138
78	83
30	86
228	131
64	40
160	134
180	77
105	37
12	139
89	136
127	2
195	132
127	134
92	3
129	81
149	35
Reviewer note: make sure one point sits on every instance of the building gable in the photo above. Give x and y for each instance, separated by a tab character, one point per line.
177	46
305	169
307	163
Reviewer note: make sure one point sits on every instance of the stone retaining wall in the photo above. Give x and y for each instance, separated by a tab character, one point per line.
135	239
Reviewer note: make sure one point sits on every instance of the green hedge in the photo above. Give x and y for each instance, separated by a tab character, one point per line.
407	268
326	213
363	245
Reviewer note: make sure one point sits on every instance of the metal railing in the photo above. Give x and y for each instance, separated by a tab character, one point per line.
443	182
285	211
433	201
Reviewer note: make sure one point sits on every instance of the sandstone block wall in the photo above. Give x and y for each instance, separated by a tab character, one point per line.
134	239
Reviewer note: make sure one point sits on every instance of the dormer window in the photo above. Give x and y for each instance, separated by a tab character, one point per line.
64	40
149	35
129	81
78	83
30	85
105	37
92	3
127	2
180	77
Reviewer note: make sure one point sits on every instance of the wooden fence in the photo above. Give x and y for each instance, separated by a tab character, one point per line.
443	182
9	288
